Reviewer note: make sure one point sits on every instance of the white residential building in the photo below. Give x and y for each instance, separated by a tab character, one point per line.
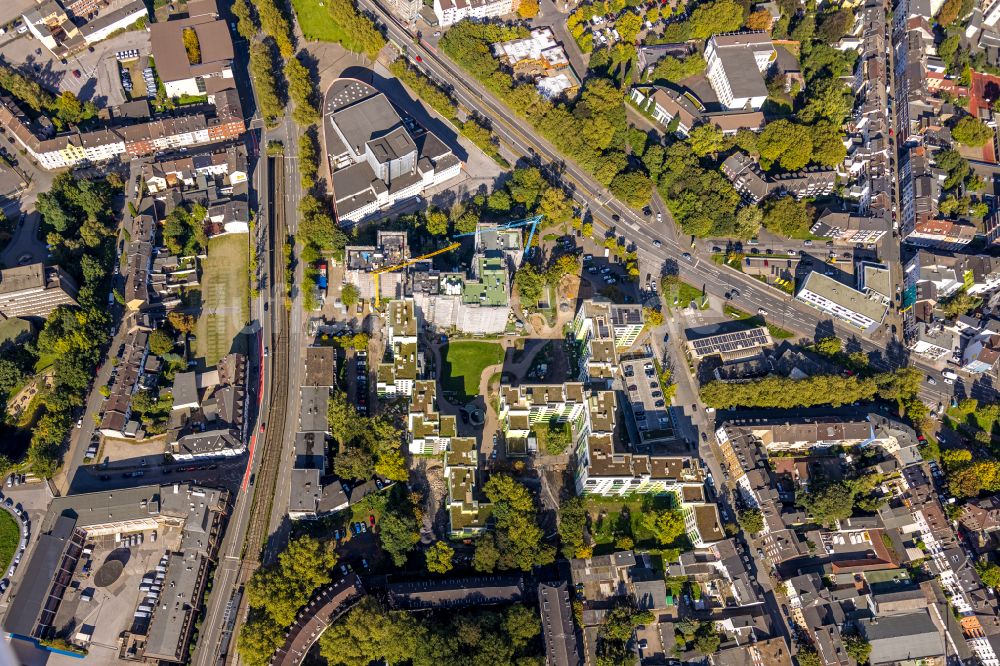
736	66
397	377
450	12
841	302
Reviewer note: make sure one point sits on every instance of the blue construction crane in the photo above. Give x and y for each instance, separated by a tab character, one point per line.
533	221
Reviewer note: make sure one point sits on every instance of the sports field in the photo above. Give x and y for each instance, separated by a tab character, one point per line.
225	291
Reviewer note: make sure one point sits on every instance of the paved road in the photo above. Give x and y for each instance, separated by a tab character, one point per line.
79	439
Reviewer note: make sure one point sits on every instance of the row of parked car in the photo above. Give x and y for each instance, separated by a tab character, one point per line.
362	391
151	584
22	517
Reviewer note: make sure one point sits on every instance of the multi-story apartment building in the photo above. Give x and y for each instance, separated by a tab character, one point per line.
846	227
602	329
753	185
467	513
34	290
525	406
736	66
450	12
838	300
230	164
665	104
126	141
429	432
942	234
397	377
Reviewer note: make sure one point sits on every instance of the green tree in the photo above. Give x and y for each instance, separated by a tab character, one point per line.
499	201
486	556
266	86
828	99
628	26
827	144
633	187
748	222
354	462
949	12
712	18
274	22
526	186
308	159
521	624
191	45
834	24
529	283
436	222
706	139
962	302
666	524
675	70
439	557
988	572
751	520
830	503
349	295
829	346
398	534
572	524
807	656
160	342
245	24
786	144
519	537
787	216
276	593
301	91
858	648
971	131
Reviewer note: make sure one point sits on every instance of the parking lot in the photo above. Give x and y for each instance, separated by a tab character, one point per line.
33	499
98	81
645	395
108	586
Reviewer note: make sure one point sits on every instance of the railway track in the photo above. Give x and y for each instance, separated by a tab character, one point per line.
267	472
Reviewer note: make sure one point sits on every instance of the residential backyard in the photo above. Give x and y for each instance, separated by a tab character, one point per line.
225	290
463	364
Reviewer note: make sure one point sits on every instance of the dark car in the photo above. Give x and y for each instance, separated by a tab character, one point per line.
76	73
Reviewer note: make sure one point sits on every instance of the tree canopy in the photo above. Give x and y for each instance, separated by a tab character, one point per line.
518	535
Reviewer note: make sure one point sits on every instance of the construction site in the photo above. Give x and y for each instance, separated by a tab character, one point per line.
473	299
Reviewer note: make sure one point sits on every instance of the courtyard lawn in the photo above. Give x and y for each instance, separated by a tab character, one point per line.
464	362
318	25
10	537
225	291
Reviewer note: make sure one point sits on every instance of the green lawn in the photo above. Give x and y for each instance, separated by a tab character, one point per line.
10	537
682	294
464	362
225	291
318	25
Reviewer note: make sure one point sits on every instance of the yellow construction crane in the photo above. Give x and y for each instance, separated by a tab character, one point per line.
378	294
